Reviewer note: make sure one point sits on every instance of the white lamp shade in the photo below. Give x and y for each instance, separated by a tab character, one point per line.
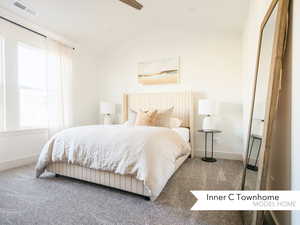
107	108
206	107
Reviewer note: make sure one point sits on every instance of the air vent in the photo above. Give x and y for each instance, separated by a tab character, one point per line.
21	6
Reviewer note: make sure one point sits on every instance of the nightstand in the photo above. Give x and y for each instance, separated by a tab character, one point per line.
206	133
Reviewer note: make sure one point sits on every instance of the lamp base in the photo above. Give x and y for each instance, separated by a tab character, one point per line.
207	123
211	160
252	167
107	120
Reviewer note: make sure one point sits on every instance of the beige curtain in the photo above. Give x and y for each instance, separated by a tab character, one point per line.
59	86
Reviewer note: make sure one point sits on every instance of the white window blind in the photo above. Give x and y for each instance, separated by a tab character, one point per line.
32	87
2	87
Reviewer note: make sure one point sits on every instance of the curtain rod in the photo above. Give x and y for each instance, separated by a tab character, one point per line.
26	28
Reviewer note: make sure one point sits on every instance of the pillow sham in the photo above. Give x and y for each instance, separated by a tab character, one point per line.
163	117
175	122
146	118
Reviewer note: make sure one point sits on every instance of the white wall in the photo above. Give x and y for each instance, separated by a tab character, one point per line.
19	148
85	93
210	65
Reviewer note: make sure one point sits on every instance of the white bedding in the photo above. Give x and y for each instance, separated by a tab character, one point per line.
148	153
183	132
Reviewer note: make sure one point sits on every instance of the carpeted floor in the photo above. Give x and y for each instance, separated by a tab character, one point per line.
25	200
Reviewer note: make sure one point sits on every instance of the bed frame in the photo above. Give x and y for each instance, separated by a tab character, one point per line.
183	103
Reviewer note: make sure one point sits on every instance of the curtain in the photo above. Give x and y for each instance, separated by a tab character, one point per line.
2	87
59	86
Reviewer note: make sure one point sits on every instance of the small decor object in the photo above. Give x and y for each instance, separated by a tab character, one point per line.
162	71
212	132
207	108
107	109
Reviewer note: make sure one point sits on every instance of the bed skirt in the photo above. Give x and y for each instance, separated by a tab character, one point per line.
123	182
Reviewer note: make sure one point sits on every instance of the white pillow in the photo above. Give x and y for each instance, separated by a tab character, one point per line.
131	117
175	122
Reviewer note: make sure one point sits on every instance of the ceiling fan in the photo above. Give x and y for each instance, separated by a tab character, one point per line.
133	3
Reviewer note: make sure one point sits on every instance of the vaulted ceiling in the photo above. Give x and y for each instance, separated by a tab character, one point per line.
103	23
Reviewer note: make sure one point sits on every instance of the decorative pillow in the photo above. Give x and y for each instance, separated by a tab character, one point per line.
131	117
146	118
163	117
175	122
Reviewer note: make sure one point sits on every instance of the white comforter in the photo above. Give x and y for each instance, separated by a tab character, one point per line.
149	153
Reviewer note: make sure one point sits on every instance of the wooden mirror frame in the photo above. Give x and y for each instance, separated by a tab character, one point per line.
276	72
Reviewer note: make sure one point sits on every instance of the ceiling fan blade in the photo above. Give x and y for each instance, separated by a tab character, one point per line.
133	3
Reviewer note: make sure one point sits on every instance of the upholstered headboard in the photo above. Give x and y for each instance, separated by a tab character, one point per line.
181	101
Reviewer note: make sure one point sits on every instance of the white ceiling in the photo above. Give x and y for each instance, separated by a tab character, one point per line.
108	22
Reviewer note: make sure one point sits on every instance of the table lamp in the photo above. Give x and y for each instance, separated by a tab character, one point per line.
206	107
108	109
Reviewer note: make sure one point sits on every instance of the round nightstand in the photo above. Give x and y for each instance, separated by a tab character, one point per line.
212	132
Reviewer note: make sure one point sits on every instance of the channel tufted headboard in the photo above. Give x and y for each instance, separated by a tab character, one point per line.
182	102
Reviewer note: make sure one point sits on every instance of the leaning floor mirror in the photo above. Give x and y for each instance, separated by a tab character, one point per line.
266	92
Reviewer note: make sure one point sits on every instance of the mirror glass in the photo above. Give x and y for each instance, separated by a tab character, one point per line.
255	138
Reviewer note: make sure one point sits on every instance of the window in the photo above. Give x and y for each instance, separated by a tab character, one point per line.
32	82
35	81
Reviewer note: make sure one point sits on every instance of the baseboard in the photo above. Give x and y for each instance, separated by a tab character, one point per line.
221	155
18	162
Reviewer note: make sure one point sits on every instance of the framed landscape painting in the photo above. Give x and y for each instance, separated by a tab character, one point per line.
157	72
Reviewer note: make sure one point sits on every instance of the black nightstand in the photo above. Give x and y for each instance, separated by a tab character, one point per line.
212	132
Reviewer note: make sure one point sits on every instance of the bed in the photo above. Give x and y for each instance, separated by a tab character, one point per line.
120	178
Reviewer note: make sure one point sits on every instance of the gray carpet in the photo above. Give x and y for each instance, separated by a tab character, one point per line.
25	200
